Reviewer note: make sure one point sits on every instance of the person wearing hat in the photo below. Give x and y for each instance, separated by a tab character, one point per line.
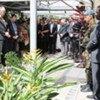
93	48
89	18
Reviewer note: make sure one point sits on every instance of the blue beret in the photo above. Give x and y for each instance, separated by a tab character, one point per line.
89	12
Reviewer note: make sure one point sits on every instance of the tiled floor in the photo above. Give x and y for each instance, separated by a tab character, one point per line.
69	75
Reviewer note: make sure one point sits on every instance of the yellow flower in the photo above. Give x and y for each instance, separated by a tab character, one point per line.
35	52
28	57
32	88
6	77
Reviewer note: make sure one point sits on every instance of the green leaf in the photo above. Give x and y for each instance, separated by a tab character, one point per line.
18	79
50	79
52	95
39	67
51	64
21	71
66	84
1	88
45	92
6	96
59	67
12	59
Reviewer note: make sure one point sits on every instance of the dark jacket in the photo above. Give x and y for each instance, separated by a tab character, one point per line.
13	42
54	30
3	29
65	35
5	40
94	44
11	29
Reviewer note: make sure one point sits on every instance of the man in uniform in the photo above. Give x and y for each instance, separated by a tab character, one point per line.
89	17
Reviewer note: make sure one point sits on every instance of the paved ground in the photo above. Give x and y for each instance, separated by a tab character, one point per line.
72	74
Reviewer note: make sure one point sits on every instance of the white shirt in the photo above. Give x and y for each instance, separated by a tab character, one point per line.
58	27
51	28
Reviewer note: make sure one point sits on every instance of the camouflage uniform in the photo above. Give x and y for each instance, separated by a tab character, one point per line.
86	55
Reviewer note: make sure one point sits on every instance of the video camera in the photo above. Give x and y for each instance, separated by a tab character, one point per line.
77	27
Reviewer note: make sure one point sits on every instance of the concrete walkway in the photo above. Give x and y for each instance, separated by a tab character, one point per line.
72	74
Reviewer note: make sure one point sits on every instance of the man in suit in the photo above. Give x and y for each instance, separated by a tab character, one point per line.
52	37
4	35
93	47
13	30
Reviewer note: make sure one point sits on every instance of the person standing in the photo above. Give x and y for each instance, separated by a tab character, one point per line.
23	39
52	37
44	35
4	36
13	30
64	36
93	47
89	18
58	44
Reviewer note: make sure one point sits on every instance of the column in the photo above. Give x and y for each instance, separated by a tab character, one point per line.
33	25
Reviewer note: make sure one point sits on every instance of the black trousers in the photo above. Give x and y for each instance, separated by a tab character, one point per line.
5	48
13	46
44	44
52	45
96	80
75	48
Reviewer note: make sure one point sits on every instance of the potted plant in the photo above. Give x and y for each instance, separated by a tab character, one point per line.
28	79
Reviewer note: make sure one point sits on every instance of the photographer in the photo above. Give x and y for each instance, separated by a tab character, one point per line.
64	35
74	32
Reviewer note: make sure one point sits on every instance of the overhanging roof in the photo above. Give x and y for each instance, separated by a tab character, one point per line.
13	0
43	5
67	5
16	4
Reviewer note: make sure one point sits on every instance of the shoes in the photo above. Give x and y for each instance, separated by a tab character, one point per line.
91	97
85	88
80	65
76	61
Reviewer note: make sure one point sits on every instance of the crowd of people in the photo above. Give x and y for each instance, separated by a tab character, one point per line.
78	35
80	39
71	32
14	35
